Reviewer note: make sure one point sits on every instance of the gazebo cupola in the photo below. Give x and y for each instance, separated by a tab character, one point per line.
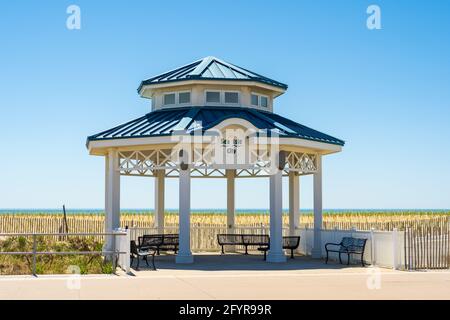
213	119
211	82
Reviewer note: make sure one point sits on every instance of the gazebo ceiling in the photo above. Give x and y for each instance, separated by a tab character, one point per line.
188	119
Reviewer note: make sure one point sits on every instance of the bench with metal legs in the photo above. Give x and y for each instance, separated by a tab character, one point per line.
348	246
262	241
138	253
289	243
160	242
246	240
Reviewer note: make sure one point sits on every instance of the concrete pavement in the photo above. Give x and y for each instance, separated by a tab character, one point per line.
236	277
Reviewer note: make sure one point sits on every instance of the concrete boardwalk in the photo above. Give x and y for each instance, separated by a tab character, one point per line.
236	277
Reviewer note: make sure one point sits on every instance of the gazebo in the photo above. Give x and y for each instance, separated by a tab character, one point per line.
213	119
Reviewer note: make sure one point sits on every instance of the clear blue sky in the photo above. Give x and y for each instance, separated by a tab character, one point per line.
385	92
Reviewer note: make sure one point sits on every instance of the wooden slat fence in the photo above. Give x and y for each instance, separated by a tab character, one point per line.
95	222
427	247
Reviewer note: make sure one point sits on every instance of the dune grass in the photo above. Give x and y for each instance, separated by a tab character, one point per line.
52	264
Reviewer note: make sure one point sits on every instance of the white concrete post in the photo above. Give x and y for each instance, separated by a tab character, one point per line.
112	196
372	246
395	249
123	245
159	201
276	253
317	248
127	251
184	253
230	174
294	202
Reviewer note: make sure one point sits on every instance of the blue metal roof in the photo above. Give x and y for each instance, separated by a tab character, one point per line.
210	68
188	119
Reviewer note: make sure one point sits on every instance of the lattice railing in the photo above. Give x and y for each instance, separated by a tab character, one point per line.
203	164
301	162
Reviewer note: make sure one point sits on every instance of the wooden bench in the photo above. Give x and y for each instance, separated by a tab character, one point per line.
160	242
348	246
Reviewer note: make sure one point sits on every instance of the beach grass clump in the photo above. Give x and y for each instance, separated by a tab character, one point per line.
52	263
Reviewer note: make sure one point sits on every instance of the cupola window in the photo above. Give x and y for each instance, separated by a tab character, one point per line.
212	96
232	97
259	100
173	98
184	97
255	100
169	98
264	102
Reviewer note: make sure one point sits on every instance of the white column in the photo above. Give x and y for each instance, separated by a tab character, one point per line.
395	260
317	248
112	195
294	202
159	200
184	253
230	174
276	253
